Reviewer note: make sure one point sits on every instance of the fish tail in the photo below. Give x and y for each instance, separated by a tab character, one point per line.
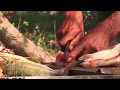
59	72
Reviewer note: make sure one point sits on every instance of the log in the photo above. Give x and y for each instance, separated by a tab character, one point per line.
13	39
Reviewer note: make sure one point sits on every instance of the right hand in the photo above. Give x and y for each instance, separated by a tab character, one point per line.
72	29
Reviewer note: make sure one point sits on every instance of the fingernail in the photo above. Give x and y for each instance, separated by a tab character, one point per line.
71	48
69	59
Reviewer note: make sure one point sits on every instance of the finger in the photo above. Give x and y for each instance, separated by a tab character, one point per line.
63	29
60	59
70	35
77	51
76	40
69	60
78	37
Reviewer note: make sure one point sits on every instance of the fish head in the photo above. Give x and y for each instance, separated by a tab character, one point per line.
1	48
87	60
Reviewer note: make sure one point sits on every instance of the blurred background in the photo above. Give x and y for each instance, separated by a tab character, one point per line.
41	26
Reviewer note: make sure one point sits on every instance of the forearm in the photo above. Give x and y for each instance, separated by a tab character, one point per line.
109	28
68	13
115	25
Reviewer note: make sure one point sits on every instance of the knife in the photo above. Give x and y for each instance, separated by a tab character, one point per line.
66	71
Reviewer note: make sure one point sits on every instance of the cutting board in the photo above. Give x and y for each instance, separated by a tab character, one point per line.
79	70
94	71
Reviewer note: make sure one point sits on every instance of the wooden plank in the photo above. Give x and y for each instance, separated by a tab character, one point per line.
110	70
95	71
67	77
79	70
84	71
80	73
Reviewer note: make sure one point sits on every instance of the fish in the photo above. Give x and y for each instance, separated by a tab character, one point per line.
6	50
106	57
15	65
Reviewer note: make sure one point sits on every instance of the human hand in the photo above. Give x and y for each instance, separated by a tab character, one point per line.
72	29
97	39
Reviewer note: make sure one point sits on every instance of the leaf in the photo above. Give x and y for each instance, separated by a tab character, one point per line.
59	51
13	24
85	33
26	23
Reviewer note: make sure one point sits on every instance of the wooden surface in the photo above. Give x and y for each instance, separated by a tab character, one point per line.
79	70
79	73
95	71
67	77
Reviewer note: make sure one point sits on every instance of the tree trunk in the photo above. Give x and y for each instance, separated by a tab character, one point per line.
13	39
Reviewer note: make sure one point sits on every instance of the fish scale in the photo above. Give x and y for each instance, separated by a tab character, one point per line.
14	65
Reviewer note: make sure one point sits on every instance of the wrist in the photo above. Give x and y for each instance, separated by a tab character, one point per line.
73	13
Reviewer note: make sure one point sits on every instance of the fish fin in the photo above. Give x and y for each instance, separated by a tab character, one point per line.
59	72
1	72
66	71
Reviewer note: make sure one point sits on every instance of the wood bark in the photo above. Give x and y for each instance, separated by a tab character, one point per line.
13	39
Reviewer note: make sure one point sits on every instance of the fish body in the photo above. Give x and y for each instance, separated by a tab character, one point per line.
14	65
107	57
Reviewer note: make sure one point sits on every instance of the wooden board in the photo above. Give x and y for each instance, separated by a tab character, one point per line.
79	73
79	70
95	71
67	77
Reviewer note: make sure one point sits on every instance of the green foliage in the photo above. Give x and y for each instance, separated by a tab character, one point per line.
85	33
7	12
26	23
39	28
92	18
59	51
13	24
